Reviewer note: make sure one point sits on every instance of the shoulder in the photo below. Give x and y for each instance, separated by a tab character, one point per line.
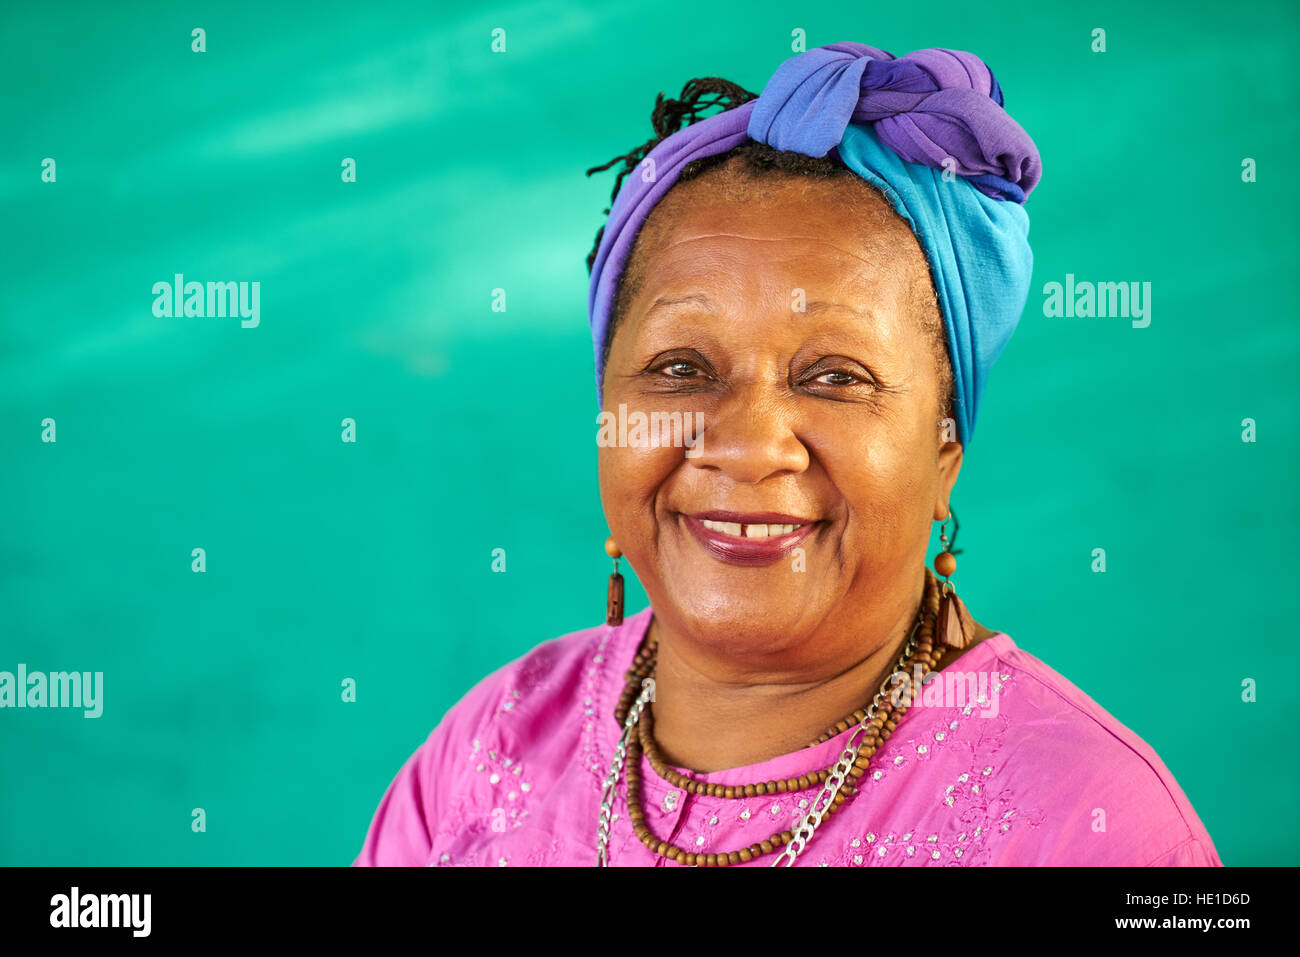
1103	789
511	735
542	702
530	691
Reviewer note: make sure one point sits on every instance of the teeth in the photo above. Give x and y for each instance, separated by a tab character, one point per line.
737	530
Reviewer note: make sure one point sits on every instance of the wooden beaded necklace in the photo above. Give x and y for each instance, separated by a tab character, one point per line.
884	718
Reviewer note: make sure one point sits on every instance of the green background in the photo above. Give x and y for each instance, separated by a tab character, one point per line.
475	428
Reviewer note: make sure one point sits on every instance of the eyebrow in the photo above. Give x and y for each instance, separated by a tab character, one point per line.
860	311
696	299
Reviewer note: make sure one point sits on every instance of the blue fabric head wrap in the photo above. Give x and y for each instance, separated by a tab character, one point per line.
929	131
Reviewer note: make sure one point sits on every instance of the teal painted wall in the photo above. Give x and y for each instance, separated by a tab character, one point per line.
372	560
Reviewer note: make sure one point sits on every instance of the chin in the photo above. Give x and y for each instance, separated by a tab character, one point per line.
750	620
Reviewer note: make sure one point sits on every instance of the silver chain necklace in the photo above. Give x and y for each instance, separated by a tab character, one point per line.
802	832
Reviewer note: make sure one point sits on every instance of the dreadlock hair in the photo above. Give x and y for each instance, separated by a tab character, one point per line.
737	169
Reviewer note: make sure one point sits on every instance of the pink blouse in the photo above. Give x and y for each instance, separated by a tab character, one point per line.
1030	772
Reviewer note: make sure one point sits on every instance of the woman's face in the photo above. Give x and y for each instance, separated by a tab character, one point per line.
827	418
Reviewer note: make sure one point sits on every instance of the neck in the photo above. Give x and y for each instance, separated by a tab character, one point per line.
711	713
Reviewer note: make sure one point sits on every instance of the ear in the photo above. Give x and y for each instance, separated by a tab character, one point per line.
949	468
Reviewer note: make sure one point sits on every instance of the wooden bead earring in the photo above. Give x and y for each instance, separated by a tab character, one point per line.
949	625
614	602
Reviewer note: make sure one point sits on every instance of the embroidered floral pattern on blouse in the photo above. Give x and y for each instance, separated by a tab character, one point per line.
980	814
510	787
592	705
535	674
507	790
763	816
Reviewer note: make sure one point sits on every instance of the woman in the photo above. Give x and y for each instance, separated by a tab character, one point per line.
821	277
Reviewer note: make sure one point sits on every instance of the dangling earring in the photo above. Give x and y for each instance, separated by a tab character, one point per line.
949	624
614	603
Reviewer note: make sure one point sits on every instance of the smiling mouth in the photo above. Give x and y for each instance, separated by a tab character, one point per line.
738	530
749	539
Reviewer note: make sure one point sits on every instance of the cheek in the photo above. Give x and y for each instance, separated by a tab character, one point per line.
631	480
881	473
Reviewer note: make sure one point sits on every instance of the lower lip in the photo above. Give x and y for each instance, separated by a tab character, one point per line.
747	552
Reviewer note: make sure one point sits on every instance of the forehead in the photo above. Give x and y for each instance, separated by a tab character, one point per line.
827	231
726	262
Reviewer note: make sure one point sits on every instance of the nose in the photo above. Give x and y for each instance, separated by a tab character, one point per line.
750	438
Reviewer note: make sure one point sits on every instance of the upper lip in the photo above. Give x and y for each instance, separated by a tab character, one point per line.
752	518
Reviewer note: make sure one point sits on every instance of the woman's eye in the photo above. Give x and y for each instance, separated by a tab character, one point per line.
680	370
838	378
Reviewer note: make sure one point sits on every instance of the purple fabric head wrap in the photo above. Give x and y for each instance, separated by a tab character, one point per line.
936	110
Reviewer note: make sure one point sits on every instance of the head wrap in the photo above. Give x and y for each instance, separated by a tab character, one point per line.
926	129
